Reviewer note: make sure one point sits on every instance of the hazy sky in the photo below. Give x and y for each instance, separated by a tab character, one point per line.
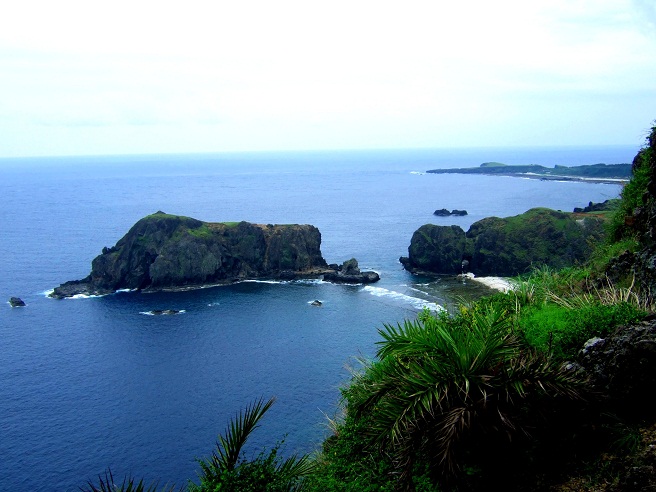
122	77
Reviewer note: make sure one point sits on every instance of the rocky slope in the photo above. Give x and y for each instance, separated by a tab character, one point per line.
169	252
504	246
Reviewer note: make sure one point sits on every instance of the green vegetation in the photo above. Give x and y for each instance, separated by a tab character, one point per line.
106	484
493	164
633	196
227	470
440	380
593	171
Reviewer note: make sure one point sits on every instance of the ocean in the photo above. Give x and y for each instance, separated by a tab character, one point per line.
92	384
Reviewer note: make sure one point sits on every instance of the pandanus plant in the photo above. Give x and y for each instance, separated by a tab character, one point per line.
438	379
227	470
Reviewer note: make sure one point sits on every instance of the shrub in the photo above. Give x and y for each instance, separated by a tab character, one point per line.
561	330
439	380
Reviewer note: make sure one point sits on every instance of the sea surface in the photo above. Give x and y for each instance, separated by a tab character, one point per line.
95	383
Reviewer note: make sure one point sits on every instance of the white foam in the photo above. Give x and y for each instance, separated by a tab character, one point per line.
308	281
417	172
415	302
274	282
285	282
496	283
84	296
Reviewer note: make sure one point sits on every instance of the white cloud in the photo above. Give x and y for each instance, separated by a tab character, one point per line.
297	74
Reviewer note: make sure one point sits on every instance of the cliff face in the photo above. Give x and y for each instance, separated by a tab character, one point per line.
504	246
645	221
637	221
163	251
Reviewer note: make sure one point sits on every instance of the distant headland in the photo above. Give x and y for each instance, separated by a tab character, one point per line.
596	173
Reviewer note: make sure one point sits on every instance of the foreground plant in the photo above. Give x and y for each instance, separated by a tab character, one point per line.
129	484
439	380
227	470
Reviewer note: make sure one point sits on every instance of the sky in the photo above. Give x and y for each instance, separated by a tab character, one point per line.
139	77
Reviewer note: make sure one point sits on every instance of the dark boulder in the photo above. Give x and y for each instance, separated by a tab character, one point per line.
443	212
160	312
349	273
16	302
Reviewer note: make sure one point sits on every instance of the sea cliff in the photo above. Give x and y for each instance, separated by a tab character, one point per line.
172	252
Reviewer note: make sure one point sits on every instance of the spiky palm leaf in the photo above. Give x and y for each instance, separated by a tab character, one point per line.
227	470
229	447
434	380
129	484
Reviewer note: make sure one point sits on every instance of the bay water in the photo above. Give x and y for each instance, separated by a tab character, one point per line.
95	383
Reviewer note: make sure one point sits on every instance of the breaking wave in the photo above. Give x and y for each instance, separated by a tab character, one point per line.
415	302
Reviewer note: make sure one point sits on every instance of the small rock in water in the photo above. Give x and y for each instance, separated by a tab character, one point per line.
158	312
316	302
16	302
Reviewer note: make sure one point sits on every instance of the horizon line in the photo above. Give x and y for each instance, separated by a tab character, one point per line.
318	150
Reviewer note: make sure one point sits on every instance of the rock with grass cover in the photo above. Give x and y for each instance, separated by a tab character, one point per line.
172	252
505	246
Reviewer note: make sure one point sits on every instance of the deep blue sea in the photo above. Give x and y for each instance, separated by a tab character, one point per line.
89	384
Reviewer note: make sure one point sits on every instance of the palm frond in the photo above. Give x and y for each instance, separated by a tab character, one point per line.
106	483
229	445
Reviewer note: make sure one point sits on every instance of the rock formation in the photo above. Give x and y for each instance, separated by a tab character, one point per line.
438	249
16	302
504	246
605	206
349	273
443	212
170	252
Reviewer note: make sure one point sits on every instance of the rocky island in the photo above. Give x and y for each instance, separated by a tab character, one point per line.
171	252
598	173
505	246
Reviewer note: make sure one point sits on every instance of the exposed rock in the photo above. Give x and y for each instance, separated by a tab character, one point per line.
316	303
438	249
159	312
604	206
622	367
504	247
349	273
16	302
443	212
170	252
